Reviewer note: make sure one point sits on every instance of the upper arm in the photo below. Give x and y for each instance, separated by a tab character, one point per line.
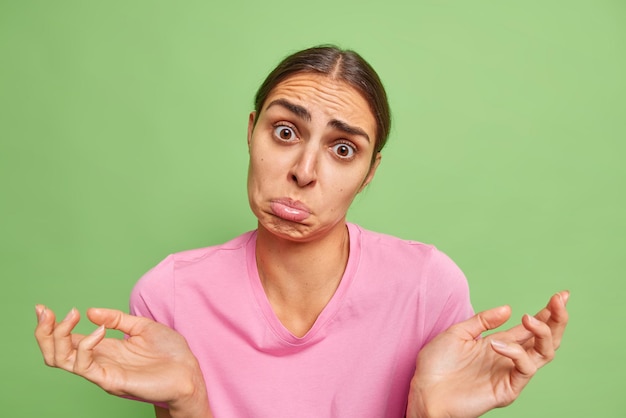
448	299
153	295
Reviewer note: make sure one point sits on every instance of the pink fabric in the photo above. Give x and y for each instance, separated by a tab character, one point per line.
356	361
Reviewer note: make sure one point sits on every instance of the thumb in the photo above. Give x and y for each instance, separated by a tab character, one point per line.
483	321
115	319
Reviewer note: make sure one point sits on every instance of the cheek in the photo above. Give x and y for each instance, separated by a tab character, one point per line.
256	162
262	171
342	192
347	181
271	162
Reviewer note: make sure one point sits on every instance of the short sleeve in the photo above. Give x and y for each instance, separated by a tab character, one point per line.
448	300
153	295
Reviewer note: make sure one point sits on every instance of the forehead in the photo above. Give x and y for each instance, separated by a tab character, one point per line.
325	97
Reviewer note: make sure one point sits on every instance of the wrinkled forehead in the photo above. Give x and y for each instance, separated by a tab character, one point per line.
326	95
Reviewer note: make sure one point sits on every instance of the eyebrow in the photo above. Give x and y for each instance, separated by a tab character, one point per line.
298	110
351	130
304	114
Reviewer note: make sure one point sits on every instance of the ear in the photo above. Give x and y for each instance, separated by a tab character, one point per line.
370	174
251	120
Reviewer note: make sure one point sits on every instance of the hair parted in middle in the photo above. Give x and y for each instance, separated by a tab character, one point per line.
341	64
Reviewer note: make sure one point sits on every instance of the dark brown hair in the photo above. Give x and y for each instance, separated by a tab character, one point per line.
345	65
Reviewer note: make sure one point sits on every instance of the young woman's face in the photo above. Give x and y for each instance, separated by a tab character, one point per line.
310	154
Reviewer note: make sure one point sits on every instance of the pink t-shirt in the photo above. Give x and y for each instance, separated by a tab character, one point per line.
356	361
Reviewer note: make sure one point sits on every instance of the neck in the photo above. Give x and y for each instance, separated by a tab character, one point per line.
300	278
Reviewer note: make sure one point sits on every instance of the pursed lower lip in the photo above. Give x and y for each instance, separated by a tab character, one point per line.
290	210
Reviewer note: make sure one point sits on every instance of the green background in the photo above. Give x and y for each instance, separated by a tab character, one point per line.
122	128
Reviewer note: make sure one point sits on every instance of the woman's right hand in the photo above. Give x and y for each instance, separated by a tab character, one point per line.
154	363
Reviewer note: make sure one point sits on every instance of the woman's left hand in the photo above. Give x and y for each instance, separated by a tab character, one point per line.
461	375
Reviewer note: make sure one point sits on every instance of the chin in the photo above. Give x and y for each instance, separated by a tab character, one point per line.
286	229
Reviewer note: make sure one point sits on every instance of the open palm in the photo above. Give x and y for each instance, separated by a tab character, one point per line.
460	375
153	363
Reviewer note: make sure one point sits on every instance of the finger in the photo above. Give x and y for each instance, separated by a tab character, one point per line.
524	368
542	351
63	348
482	321
553	314
39	310
84	364
43	333
558	317
115	319
521	335
76	339
545	314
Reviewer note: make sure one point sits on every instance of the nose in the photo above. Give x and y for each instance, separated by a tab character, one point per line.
304	170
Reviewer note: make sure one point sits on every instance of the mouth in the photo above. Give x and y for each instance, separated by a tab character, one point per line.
289	209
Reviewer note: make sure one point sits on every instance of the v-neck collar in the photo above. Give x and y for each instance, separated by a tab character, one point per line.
331	308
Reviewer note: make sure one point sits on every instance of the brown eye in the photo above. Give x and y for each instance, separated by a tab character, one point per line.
284	133
343	150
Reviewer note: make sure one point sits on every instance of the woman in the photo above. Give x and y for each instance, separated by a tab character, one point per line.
309	315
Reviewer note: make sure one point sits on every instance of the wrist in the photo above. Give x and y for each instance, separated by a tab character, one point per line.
192	401
419	404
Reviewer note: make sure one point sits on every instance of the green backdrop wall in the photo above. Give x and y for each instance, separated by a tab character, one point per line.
122	128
